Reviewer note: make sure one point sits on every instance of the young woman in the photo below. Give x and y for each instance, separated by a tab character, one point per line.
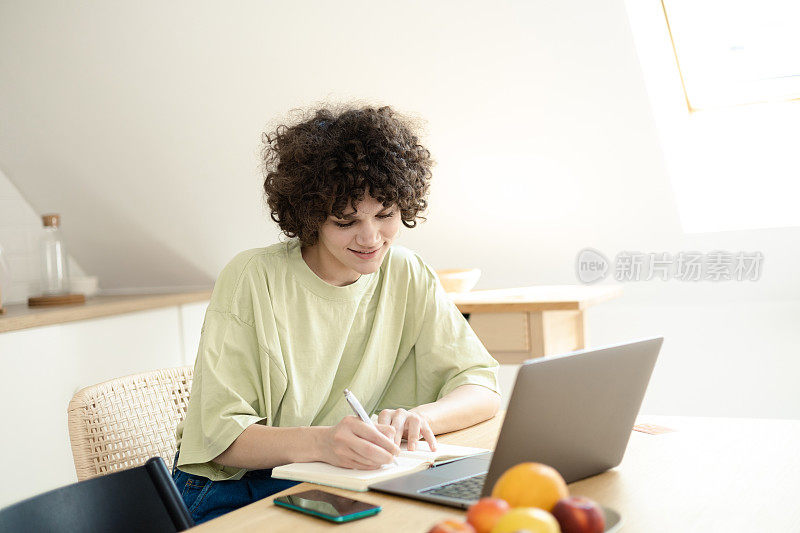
337	306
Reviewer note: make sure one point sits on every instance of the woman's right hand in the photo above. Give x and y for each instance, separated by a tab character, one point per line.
354	444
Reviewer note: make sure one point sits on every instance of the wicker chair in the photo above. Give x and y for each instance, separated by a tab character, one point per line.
121	423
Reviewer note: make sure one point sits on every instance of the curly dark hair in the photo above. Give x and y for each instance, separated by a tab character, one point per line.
320	166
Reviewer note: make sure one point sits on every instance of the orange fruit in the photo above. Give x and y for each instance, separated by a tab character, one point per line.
531	485
528	519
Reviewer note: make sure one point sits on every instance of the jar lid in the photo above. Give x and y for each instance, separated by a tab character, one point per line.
51	219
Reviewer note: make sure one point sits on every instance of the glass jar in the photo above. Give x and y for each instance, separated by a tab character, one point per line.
55	267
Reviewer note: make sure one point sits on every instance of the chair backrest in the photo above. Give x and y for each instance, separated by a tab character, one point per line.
121	423
139	499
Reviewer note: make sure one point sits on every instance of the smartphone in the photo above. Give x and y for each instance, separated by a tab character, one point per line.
327	505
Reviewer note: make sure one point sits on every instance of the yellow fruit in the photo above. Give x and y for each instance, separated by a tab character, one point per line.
528	519
531	485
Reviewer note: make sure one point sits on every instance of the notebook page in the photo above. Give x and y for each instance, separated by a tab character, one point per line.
444	452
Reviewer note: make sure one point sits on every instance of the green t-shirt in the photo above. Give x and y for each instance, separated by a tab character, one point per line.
279	345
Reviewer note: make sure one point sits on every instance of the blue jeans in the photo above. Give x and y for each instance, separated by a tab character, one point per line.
208	499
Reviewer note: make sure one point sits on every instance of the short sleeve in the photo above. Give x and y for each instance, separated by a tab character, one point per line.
448	353
445	353
230	391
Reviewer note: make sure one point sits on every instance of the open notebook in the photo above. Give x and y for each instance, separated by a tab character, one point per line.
360	480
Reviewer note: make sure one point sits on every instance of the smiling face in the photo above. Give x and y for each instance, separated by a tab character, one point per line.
355	244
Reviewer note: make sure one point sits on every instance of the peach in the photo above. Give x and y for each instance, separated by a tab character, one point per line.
578	514
484	514
452	526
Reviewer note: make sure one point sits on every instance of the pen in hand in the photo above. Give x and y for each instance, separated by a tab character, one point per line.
355	405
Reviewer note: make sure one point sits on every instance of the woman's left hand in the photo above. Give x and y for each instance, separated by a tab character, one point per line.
409	425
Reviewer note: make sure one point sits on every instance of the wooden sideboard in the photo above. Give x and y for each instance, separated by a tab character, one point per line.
529	322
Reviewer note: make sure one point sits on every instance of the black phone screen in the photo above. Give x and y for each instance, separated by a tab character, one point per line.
326	503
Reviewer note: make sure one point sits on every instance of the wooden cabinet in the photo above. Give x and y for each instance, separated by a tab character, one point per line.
530	322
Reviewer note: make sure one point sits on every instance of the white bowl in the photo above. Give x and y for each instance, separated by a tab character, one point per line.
459	280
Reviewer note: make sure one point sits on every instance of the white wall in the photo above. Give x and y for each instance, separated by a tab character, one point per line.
733	360
140	123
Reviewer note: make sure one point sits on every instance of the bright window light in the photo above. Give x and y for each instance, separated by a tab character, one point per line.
735	52
724	82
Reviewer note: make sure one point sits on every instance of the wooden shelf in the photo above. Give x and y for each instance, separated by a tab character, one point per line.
20	316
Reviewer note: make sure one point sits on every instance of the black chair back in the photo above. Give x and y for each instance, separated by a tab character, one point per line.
140	499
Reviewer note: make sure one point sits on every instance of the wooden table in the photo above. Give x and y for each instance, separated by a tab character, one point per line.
529	322
712	474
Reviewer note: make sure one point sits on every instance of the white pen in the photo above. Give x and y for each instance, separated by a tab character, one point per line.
360	412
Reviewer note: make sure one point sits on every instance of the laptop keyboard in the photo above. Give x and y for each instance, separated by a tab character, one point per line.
464	489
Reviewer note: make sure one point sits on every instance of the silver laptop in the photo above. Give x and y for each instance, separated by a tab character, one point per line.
574	412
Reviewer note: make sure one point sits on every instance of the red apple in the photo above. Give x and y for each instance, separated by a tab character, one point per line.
484	514
578	514
452	526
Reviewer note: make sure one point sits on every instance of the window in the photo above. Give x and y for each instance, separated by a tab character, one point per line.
723	78
734	52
